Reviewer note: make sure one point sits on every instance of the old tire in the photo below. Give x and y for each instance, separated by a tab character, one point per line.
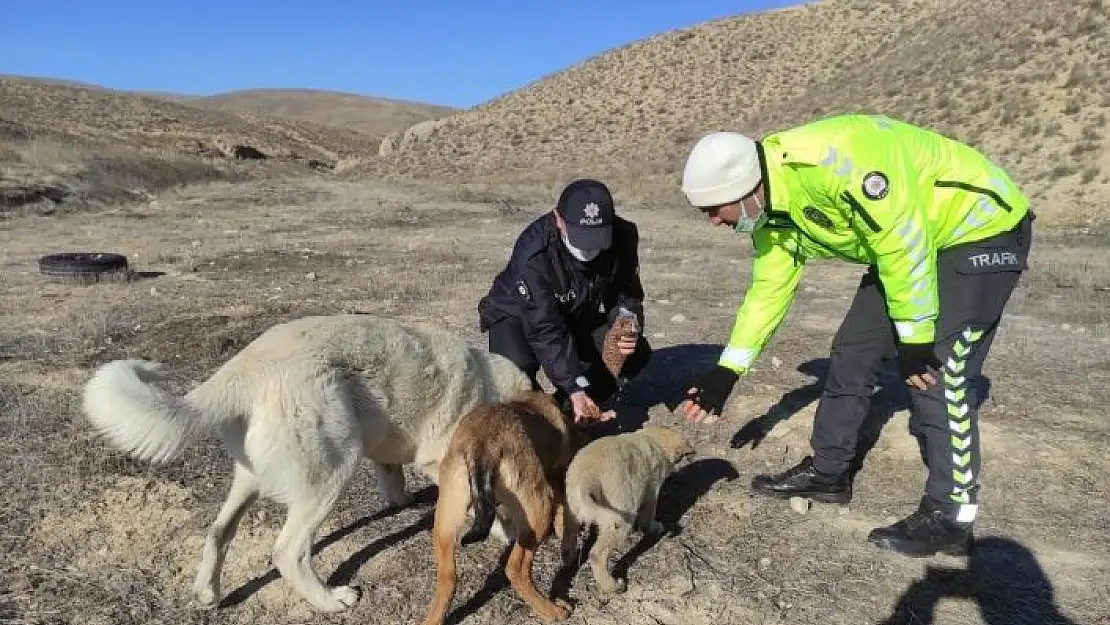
82	264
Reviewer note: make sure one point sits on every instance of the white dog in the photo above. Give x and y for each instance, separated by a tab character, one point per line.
297	409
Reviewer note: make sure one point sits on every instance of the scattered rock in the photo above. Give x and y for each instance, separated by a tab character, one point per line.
21	185
310	275
194	147
800	504
764	563
679	318
776	362
246	152
14	196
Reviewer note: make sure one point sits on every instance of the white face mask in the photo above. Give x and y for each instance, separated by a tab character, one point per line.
749	224
582	255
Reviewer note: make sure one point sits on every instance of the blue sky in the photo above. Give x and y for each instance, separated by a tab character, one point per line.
455	53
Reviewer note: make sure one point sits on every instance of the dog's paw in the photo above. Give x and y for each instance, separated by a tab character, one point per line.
559	611
567	606
340	598
206	597
612	586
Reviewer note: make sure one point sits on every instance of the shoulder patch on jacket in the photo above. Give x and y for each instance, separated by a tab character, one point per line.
522	290
813	214
875	185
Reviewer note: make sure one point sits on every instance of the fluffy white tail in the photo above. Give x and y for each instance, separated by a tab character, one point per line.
146	422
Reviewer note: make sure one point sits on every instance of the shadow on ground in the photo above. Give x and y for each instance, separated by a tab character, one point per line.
1003	578
891	396
663	380
345	572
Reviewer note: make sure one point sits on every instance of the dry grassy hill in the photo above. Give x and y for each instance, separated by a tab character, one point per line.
36	109
69	145
1025	81
377	116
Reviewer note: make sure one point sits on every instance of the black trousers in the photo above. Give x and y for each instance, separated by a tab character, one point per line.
507	337
973	291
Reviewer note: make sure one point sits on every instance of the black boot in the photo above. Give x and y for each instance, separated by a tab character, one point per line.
926	532
803	480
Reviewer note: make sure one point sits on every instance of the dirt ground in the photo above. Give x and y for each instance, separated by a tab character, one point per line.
91	538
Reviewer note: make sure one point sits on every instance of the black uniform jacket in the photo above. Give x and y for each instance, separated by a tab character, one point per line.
556	296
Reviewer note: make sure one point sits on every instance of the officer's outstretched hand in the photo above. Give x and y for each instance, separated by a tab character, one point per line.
916	362
705	400
586	410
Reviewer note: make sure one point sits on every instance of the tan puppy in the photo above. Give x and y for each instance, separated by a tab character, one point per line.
511	456
614	483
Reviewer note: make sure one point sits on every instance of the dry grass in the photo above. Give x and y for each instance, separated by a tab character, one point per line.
375	116
94	538
47	177
1024	81
33	109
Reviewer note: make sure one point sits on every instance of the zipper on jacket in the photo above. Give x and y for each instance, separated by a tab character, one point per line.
991	193
858	208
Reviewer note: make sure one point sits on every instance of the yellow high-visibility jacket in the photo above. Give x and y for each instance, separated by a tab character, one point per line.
872	190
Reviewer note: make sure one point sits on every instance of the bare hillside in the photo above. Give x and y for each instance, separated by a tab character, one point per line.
65	146
377	116
1024	81
36	109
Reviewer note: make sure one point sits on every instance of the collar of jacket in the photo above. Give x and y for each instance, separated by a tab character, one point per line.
777	154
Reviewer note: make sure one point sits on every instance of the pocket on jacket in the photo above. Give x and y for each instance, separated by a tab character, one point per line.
1005	252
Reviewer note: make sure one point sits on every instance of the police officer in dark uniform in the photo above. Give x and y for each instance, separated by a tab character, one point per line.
572	271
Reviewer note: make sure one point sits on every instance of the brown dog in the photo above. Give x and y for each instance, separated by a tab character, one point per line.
511	456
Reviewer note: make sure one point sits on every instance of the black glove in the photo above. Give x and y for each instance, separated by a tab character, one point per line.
916	359
713	388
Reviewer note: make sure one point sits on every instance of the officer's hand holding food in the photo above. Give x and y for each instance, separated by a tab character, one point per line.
586	410
630	332
916	361
627	344
706	399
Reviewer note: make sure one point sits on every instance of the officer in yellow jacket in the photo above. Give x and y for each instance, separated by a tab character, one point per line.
944	234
